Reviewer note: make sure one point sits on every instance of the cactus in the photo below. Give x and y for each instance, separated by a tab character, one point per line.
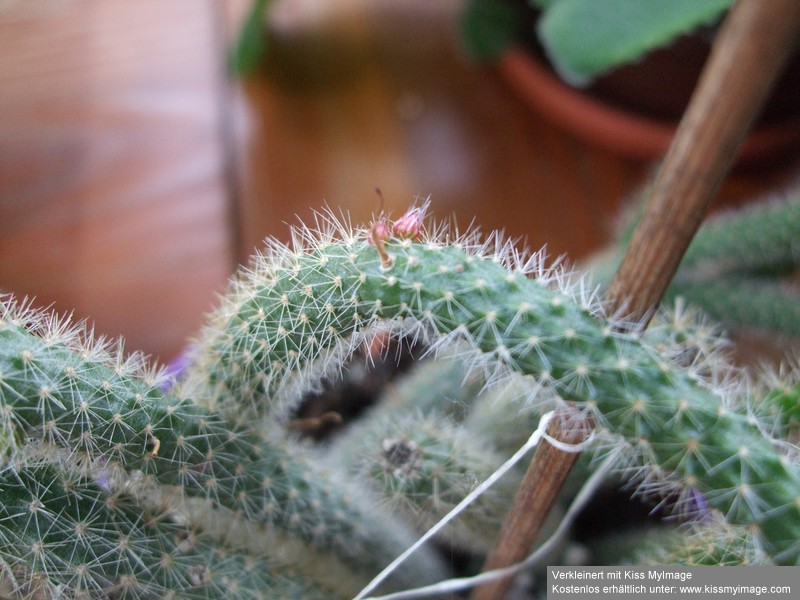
452	290
759	303
739	266
422	461
91	443
111	417
760	236
65	532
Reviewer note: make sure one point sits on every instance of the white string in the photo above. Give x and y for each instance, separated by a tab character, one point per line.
533	440
569	448
453	585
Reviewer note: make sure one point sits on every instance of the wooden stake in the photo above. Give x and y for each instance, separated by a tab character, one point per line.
752	47
747	58
536	495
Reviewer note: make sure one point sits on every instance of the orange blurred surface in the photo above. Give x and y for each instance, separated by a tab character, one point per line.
113	200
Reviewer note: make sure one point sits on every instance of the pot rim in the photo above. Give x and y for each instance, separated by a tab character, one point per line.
617	129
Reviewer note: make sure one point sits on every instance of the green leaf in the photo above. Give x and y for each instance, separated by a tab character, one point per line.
252	45
542	4
584	38
488	27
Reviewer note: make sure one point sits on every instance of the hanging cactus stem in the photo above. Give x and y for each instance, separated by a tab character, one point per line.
447	292
221	486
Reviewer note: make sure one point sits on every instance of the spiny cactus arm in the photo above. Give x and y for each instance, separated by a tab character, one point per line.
757	239
65	536
762	235
709	542
252	359
444	384
765	304
712	542
671	419
776	401
424	465
411	447
675	422
786	399
74	395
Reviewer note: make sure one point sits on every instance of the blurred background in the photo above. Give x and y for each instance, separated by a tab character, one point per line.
136	172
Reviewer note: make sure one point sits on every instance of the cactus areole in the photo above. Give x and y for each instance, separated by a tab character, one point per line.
206	492
685	433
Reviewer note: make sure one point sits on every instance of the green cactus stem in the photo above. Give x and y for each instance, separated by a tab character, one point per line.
776	402
711	543
90	444
763	235
64	536
290	309
760	236
64	391
738	267
424	465
762	304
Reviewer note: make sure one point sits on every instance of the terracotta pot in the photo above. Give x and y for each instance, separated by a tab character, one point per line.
607	116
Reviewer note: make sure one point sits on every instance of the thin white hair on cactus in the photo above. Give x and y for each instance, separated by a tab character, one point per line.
294	384
495	368
534	439
503	250
579	287
328	226
585	494
729	382
470	241
536	264
635	467
657	487
512	253
782	377
19	311
459	345
273	256
778	425
687	337
79	336
311	377
700	543
445	232
42	321
707	363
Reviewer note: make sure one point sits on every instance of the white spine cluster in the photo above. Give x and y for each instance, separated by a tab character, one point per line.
178	480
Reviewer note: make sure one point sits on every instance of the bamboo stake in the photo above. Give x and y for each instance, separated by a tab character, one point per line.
755	41
752	47
535	496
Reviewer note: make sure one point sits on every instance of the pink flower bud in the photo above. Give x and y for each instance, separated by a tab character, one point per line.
410	225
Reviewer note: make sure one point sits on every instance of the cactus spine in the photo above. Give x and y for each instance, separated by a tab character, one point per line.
423	462
91	444
739	266
111	419
65	535
296	307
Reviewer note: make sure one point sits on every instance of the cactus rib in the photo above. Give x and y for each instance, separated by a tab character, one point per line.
288	311
79	397
64	535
